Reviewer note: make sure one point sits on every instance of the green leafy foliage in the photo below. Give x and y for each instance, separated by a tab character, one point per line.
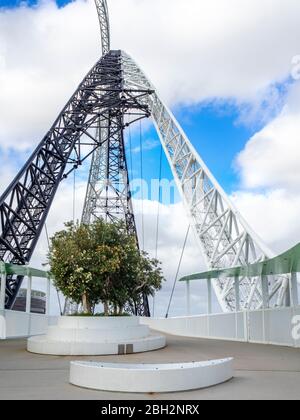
101	263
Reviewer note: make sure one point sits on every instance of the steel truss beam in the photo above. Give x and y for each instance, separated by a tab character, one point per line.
24	206
226	240
103	16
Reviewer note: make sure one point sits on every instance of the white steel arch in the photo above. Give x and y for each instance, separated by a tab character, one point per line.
224	237
102	10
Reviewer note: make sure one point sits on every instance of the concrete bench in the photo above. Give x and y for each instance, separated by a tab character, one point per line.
143	378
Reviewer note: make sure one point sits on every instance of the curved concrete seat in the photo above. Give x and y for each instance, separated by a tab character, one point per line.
150	378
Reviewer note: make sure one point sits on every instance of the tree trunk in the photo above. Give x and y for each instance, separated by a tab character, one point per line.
86	304
106	308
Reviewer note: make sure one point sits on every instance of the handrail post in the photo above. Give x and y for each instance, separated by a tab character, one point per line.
237	294
266	302
265	292
48	296
28	294
294	290
209	297
3	287
188	298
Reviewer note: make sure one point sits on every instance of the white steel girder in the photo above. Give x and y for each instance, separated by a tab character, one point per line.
103	16
224	237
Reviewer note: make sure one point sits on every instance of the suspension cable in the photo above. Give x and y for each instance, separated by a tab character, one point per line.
178	270
57	292
142	186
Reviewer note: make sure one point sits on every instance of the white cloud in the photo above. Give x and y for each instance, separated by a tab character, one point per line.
270	172
193	51
271	157
274	215
204	49
45	54
147	146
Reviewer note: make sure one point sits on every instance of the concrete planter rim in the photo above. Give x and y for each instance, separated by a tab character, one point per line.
96	317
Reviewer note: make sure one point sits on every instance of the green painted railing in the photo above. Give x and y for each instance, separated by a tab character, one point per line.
23	270
30	273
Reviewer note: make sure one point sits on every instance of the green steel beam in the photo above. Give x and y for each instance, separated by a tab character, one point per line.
289	262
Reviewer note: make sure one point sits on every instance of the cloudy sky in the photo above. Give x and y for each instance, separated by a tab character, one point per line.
229	69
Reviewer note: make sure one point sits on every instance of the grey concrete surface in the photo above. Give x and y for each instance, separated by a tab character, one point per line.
261	372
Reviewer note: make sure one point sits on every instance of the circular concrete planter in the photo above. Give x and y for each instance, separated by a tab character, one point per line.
96	336
150	378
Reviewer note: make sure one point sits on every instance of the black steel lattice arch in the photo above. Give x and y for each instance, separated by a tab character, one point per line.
25	204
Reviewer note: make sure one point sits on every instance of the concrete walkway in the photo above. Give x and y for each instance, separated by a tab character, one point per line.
261	372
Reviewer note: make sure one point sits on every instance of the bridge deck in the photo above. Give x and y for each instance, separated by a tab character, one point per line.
261	372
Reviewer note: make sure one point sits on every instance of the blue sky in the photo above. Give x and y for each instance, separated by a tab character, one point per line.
216	134
16	3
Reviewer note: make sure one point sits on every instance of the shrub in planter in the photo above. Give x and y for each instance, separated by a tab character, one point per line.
101	263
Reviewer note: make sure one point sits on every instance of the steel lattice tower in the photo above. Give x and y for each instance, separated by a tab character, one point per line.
116	89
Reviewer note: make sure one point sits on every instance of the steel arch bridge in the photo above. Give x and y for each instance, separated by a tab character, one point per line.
114	89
